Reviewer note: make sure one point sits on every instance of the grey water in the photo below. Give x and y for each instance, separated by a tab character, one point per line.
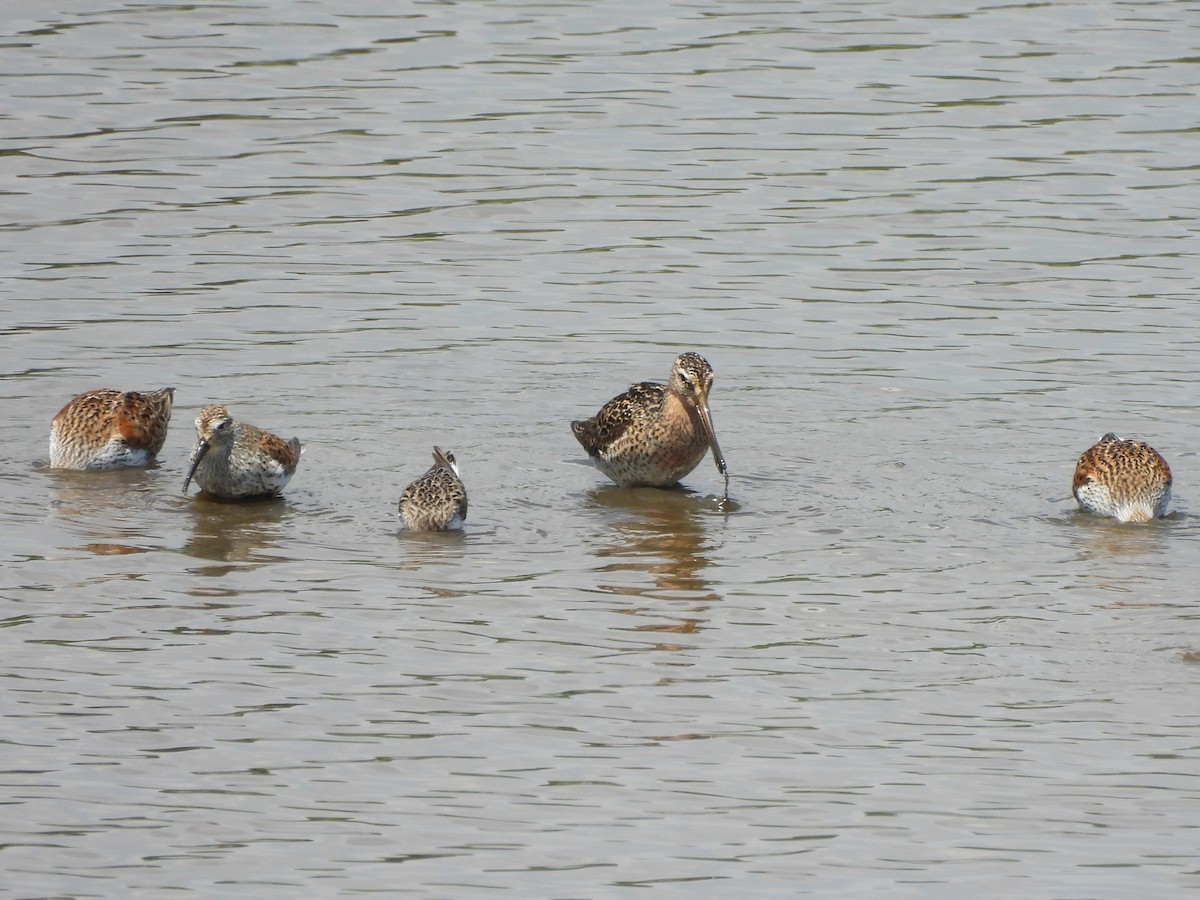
932	252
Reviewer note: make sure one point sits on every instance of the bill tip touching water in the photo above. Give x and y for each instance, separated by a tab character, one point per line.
233	461
654	434
107	429
1124	479
437	501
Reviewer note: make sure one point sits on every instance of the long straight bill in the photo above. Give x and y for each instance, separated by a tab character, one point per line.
711	434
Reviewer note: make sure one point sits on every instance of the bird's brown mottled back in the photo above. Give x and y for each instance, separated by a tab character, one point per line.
107	429
1125	479
437	501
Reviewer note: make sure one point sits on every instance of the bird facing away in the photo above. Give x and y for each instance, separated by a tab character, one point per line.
437	501
108	429
654	434
1125	479
235	461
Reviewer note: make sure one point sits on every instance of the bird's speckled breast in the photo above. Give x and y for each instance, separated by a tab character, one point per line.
656	451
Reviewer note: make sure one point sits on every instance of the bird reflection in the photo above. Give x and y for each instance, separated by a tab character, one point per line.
1105	538
429	550
77	492
665	536
1106	547
111	508
234	532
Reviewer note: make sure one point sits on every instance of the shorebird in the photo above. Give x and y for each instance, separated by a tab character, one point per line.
108	429
654	434
437	501
234	461
1125	479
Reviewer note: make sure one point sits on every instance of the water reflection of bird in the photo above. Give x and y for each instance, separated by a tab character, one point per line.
236	533
658	551
437	501
233	460
655	434
107	429
1125	479
662	535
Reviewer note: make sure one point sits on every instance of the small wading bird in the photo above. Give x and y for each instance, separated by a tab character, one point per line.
437	501
1125	479
235	461
108	429
654	434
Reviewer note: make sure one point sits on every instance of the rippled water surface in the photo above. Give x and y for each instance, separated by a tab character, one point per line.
932	252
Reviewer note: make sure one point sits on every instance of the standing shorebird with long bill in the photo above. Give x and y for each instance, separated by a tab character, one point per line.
1124	479
236	461
654	434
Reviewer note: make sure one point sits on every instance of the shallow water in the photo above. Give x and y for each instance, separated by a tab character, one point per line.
932	255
